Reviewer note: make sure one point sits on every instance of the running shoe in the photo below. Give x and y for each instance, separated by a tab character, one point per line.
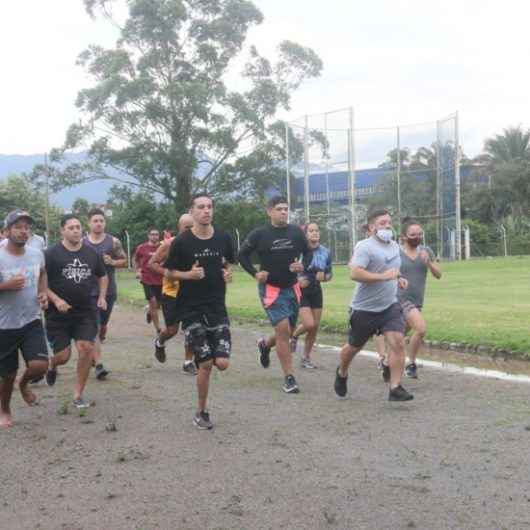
51	377
189	368
306	363
201	420
385	372
412	371
160	351
341	384
290	386
81	403
101	372
399	394
293	343
264	353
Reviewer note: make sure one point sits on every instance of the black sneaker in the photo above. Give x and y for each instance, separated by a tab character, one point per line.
385	372
412	371
37	380
160	352
341	386
189	368
51	376
264	353
290	386
399	394
201	420
101	372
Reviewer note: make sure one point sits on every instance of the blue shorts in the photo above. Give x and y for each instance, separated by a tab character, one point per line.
280	304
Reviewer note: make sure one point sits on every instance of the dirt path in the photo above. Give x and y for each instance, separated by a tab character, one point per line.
456	457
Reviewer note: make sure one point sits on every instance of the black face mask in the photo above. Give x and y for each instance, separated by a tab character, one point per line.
414	241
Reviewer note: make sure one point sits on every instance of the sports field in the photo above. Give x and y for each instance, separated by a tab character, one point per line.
476	302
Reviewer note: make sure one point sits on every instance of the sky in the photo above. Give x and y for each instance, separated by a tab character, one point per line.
395	62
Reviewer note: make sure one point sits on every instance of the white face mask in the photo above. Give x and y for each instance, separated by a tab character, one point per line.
385	234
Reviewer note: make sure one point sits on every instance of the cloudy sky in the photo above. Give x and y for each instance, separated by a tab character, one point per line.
394	61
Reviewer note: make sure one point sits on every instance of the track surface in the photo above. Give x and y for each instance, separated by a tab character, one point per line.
458	456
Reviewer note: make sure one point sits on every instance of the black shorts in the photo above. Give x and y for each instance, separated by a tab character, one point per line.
170	310
364	324
29	340
103	316
207	333
312	296
152	291
62	328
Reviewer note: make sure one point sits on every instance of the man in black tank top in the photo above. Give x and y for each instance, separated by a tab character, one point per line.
114	257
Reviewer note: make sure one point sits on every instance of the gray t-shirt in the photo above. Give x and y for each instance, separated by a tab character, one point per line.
375	256
18	308
415	271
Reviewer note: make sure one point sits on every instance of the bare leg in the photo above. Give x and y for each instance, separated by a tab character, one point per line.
34	370
168	333
270	341
347	353
153	309
60	358
85	351
380	346
283	334
96	351
307	321
312	331
396	356
203	383
417	323
6	390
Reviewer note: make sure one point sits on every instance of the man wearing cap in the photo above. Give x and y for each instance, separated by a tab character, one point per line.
23	288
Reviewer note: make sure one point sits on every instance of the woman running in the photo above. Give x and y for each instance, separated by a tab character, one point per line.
312	300
416	261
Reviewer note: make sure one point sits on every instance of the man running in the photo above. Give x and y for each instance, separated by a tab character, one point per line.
73	268
375	308
199	259
170	293
150	280
114	257
23	293
279	247
416	262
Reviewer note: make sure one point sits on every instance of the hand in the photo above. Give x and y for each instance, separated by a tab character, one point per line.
62	306
303	281
138	275
107	260
43	300
262	276
102	304
15	283
227	275
196	272
296	266
403	283
390	274
321	276
424	256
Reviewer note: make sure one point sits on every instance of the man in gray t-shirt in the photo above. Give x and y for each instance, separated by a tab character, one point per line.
375	310
23	293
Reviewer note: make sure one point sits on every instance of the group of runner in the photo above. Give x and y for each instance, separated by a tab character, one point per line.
74	284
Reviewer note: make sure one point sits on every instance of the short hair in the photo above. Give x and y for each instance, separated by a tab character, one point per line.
95	211
65	218
407	223
277	199
374	214
305	227
153	229
196	196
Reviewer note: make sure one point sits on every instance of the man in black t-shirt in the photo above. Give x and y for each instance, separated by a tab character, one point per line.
279	247
73	269
199	259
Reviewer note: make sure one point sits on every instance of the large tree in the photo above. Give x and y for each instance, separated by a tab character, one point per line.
160	114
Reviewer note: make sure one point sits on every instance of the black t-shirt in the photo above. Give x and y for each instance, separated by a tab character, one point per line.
277	248
211	254
72	274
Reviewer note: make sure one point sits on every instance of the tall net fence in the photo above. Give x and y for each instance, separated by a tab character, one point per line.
335	173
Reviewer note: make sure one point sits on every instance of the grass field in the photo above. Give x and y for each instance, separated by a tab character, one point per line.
477	302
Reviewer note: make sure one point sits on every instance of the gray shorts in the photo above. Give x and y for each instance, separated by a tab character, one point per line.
407	306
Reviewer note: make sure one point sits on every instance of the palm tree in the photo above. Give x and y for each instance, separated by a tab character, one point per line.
511	146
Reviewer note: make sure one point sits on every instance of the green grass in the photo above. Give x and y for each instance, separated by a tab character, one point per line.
476	302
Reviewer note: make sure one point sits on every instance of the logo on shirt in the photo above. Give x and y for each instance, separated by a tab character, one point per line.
206	253
392	258
282	244
77	271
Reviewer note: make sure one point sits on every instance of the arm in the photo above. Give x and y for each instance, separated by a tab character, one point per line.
42	289
435	269
359	274
156	260
245	253
103	284
58	302
427	255
121	258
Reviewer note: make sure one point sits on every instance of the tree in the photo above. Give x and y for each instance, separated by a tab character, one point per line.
160	115
81	207
511	146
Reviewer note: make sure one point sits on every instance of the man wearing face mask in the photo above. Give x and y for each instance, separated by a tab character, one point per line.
416	262
375	309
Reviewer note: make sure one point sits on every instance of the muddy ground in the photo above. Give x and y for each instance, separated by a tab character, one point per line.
458	456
